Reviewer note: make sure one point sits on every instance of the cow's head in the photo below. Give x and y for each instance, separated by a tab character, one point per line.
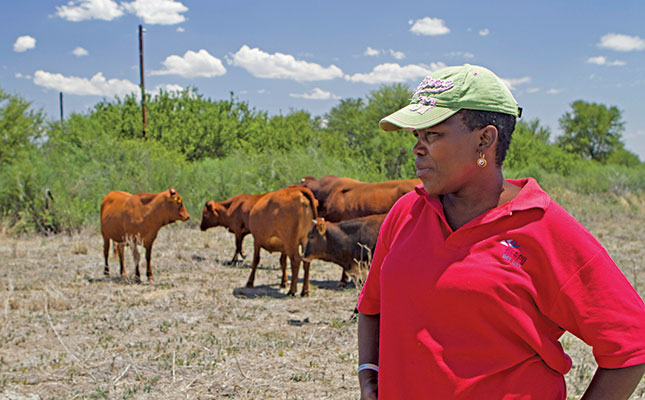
310	183
316	240
210	215
175	207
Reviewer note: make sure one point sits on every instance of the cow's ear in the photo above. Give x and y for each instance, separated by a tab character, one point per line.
172	191
211	205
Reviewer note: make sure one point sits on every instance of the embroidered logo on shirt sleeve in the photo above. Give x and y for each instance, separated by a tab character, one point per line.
512	254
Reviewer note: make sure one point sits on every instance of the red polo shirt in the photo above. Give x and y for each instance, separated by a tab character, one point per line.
476	313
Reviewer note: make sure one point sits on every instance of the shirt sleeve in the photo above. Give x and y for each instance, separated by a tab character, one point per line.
599	305
369	300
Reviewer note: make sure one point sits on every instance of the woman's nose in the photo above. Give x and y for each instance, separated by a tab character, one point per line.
418	149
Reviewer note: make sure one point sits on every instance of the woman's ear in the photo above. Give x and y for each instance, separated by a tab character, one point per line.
488	136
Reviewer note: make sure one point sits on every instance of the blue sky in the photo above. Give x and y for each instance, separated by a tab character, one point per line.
290	55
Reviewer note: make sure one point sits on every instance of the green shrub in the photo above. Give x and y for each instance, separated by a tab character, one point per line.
528	148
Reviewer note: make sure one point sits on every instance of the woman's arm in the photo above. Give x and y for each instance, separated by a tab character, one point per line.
368	342
614	384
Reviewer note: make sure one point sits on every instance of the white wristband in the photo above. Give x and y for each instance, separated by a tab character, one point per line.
373	367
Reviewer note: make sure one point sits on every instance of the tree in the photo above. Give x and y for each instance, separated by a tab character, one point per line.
358	120
591	130
387	99
19	127
623	157
530	146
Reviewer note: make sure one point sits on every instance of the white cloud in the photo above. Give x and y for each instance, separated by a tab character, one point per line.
619	42
484	32
170	87
532	90
315	94
180	29
554	91
281	66
80	52
399	55
24	43
511	83
95	86
81	10
21	76
394	73
162	12
371	52
601	60
192	65
461	54
429	27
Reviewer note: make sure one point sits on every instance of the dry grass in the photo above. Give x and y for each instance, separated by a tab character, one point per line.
197	332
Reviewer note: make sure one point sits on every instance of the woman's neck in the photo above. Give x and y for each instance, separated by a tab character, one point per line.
473	200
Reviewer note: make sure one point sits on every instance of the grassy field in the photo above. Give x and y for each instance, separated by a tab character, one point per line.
197	332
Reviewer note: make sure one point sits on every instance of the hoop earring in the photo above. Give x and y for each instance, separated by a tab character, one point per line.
481	161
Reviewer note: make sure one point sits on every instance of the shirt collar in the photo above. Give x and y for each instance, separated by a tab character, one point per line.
531	195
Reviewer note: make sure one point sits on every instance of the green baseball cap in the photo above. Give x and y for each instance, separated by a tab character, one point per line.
449	90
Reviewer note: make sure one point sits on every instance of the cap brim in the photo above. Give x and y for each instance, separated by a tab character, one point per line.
408	118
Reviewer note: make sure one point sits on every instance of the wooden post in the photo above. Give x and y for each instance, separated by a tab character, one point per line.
60	100
143	85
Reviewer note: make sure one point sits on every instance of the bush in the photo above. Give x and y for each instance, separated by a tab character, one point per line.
528	149
623	157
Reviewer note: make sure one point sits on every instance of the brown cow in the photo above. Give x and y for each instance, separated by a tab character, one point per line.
136	219
344	242
345	198
280	221
233	214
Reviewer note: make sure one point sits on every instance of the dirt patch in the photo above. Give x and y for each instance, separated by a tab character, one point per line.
66	331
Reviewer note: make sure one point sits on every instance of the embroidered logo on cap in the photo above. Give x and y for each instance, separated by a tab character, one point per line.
429	86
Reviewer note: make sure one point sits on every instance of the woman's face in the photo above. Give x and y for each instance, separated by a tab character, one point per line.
446	156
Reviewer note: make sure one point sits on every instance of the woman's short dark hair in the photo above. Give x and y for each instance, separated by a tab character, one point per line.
505	124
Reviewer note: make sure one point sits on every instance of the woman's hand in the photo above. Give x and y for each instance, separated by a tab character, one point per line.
368	342
369	384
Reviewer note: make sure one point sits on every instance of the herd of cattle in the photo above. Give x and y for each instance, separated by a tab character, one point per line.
333	219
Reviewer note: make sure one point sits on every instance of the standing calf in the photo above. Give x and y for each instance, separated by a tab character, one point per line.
232	214
136	219
340	242
279	221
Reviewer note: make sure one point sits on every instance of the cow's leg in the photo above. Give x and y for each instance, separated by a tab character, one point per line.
119	252
295	267
283	267
106	254
254	265
305	280
343	279
136	257
238	247
242	253
148	247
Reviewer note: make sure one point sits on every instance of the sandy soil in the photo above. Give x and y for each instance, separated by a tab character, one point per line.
67	332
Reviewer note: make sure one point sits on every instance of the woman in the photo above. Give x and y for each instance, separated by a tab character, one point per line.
474	277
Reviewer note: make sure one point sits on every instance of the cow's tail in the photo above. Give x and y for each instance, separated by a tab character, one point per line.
312	200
